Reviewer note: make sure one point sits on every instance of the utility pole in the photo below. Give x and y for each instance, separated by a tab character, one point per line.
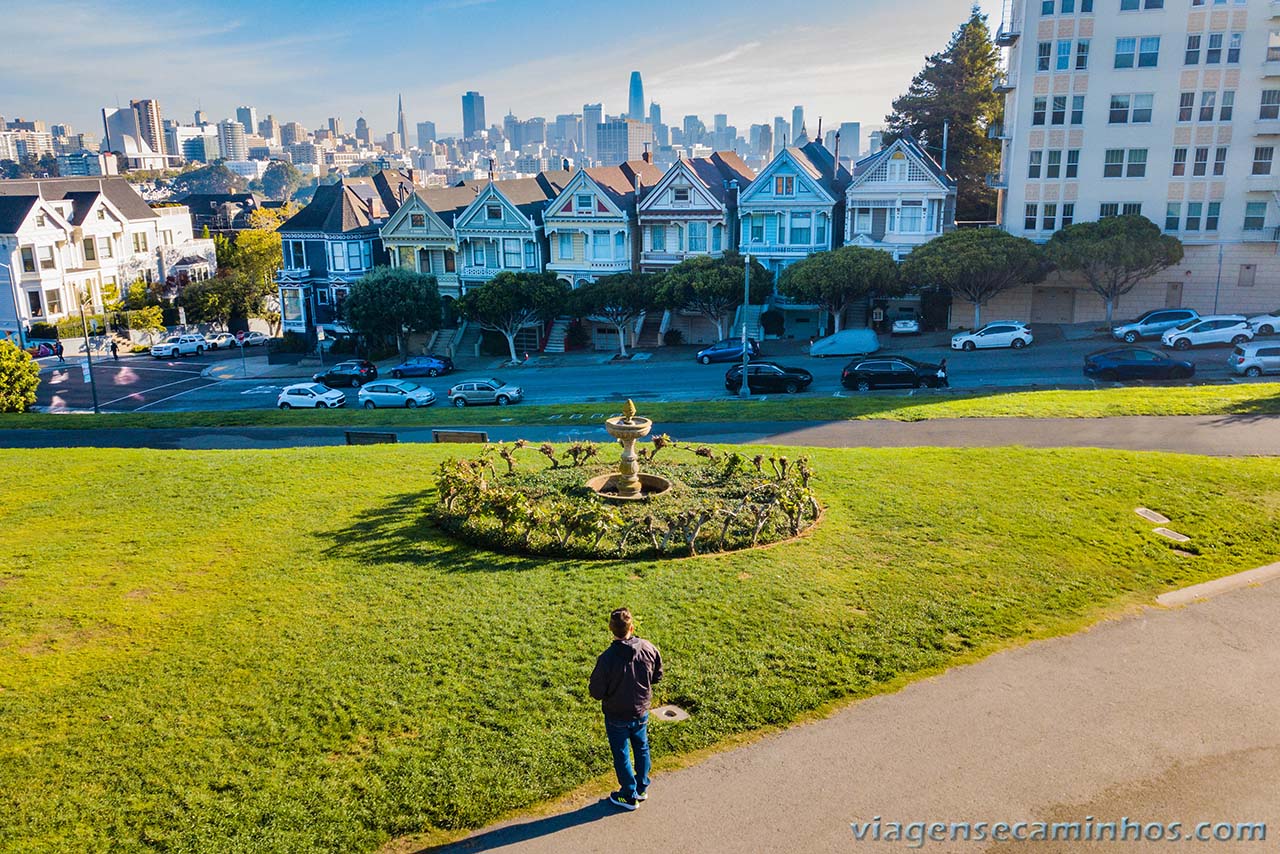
744	390
88	355
946	132
1218	285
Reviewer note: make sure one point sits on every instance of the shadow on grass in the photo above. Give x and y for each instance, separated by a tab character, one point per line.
516	833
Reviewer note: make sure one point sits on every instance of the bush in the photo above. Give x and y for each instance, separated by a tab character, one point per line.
492	344
673	337
290	342
19	378
772	322
576	336
41	330
71	327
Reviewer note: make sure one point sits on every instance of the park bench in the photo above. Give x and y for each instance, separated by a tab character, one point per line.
470	436
359	437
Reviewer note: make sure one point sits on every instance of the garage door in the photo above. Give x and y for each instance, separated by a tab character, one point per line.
1053	305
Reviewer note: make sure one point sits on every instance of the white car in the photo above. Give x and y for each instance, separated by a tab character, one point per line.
905	326
1000	333
179	345
397	394
1266	324
1214	329
310	396
253	339
220	340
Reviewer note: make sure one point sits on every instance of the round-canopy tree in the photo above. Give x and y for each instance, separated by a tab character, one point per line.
619	299
392	302
1113	254
976	263
511	301
712	287
19	378
837	278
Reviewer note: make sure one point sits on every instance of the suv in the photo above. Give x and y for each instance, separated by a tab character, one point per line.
179	345
1215	329
485	391
1153	323
890	372
1000	333
353	372
1255	358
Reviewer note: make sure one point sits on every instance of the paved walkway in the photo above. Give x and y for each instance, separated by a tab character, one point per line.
1168	715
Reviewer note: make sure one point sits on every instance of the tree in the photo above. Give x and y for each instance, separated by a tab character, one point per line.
712	287
511	301
619	299
837	278
214	178
281	179
209	301
149	320
270	219
955	88
19	378
1113	254
392	302
976	263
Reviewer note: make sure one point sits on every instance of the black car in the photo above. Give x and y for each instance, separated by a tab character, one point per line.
888	372
1135	363
354	372
768	376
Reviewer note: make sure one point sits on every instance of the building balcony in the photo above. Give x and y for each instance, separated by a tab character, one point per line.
780	250
1271	67
1262	183
1008	33
1003	84
1267	127
997	131
997	182
1270	234
1275	8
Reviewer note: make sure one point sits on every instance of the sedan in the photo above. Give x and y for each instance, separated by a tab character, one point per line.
905	326
1266	324
253	339
898	372
1214	329
310	396
220	341
1002	333
423	366
768	376
354	372
1135	363
485	391
397	394
728	350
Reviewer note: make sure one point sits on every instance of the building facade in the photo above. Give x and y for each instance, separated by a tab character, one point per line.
898	198
621	140
1166	109
693	210
502	229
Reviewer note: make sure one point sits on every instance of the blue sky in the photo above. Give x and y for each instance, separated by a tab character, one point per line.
305	60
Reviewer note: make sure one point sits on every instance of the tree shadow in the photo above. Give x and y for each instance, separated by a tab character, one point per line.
513	834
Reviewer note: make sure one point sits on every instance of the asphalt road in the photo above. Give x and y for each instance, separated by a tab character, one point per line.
142	383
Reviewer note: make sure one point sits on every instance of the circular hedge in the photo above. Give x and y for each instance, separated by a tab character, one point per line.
524	500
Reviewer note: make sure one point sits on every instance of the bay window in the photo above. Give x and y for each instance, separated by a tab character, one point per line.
658	238
565	250
512	253
911	218
801	229
697	237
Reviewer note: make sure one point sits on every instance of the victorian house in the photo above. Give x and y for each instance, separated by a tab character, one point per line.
898	199
693	210
420	237
592	226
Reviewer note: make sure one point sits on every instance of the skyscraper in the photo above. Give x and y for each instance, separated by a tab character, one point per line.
765	146
362	131
426	135
335	127
592	115
269	129
150	125
781	131
231	140
655	113
401	127
248	119
797	122
635	103
472	114
850	140
621	140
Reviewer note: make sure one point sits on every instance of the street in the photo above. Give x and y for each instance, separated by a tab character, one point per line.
141	383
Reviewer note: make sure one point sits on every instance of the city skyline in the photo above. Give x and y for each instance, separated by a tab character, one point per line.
294	77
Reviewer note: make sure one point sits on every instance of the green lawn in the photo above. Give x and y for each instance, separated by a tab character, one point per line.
269	651
1231	399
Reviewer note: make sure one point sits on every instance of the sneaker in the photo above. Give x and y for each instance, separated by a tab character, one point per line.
642	795
617	800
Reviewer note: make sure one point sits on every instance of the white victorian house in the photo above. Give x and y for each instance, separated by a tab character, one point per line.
693	210
502	229
898	199
420	237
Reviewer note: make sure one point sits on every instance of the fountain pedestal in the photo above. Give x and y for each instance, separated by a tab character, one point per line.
628	484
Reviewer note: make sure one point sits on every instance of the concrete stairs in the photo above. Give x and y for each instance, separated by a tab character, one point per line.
751	314
650	330
467	341
445	341
556	335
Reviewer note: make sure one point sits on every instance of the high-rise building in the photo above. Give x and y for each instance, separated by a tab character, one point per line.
292	133
781	131
362	131
200	117
472	114
655	113
125	135
269	129
426	135
248	119
621	140
797	123
876	141
201	147
592	117
402	128
694	130
1170	114
231	141
850	140
568	131
765	145
150	124
335	127
635	99
393	142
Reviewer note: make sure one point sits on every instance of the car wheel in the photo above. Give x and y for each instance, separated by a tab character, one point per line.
395	375
1182	344
1018	343
433	373
1239	339
968	346
199	351
863	385
1130	337
1181	374
459	402
1265	329
411	404
286	405
1253	371
503	400
1109	376
369	404
320	404
706	360
355	382
791	388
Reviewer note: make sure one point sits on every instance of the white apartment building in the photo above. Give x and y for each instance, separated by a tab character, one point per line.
1168	108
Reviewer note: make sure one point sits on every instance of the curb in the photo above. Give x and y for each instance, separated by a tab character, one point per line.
1218	586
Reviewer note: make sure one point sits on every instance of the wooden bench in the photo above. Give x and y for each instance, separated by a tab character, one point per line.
357	437
469	436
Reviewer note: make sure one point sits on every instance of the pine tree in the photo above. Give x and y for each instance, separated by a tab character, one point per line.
955	87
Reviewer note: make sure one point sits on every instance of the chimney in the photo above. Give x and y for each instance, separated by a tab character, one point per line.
491	178
819	139
647	157
564	164
835	170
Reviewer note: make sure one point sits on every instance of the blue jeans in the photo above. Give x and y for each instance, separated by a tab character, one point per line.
636	734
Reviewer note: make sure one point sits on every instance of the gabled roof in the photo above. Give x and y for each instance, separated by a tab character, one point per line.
820	164
81	191
914	150
334	209
449	202
619	182
14	211
527	195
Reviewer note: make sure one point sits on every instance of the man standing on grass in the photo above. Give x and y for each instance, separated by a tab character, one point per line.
623	681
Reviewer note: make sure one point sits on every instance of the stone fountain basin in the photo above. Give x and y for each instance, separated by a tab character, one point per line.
621	429
651	485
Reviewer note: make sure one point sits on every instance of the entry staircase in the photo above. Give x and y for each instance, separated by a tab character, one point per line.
556	336
751	314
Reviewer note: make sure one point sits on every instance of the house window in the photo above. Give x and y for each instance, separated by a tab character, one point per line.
53	299
1194	212
757	229
1270	108
1068	6
297	255
1186	106
1220	160
1213	54
1077	109
90	252
801	229
1208	100
46	256
1053	165
338	256
658	238
1059	109
166	237
1211	216
1172	216
1063	60
1039	106
1068	213
102	214
680	237
680	195
717	237
1113	165
1126	52
862	221
1233	48
1255	216
530	261
911	217
1192	56
512	253
139	242
1149	52
35	304
1137	165
1073	163
1201	165
105	249
697	237
1044	53
1086	7
322	296
565	249
1226	106
493	212
1107	209
1033	167
1142	105
1119	113
1030	217
417	220
353	257
1179	162
1131	208
1262	157
1082	55
583	204
1049	221
600	246
477	253
1046	7
784	185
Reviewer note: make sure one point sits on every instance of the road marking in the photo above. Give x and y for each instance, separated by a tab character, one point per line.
153	388
172	396
575	416
262	389
554	417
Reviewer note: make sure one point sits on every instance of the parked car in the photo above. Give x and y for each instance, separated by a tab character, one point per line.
768	377
728	350
220	341
310	396
41	349
888	372
1135	363
353	372
1212	329
1255	358
491	390
1266	324
253	339
178	345
999	333
396	394
1153	323
846	342
423	366
905	326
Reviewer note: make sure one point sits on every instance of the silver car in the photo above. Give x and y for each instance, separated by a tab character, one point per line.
1255	358
1153	324
395	394
491	390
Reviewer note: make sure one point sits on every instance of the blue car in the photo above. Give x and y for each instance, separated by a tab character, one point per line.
728	350
422	366
1135	363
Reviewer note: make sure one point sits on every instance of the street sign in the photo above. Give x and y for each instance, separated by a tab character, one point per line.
84	369
240	336
182	315
319	333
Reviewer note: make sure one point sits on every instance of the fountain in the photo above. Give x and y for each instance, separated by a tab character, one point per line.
628	484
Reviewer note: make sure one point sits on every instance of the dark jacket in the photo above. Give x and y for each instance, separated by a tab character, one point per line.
624	677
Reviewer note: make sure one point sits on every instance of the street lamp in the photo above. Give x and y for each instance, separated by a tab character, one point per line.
744	390
13	289
88	351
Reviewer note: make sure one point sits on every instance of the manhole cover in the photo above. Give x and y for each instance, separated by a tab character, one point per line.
1173	535
668	713
1152	516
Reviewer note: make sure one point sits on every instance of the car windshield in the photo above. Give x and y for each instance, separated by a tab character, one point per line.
407	387
495	382
1187	324
173	340
315	387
